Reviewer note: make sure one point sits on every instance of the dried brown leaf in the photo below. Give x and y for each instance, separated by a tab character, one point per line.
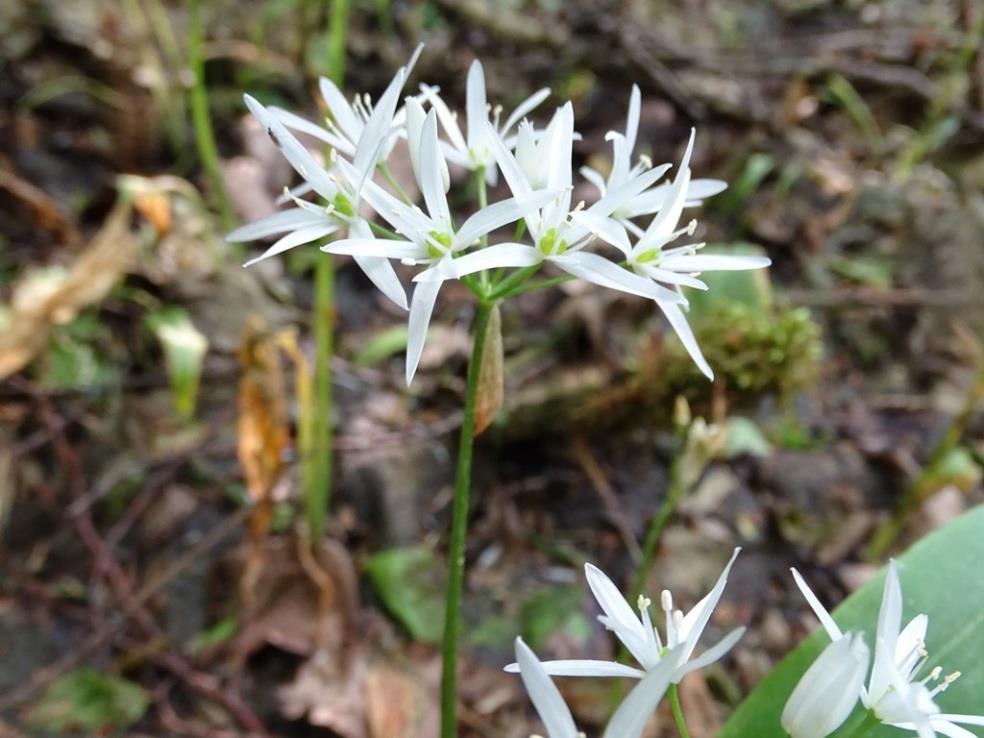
490	392
45	300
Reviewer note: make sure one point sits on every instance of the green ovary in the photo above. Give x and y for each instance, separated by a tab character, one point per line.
439	244
343	205
551	244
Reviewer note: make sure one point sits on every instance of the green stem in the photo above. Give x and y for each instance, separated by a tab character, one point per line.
858	725
459	529
397	187
318	466
208	152
681	722
318	493
510	284
674	493
384	231
483	202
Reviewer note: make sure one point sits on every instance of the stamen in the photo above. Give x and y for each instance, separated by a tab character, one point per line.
646	161
643	602
408	261
691	227
666	600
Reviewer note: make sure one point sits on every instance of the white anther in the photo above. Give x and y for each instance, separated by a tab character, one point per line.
666	600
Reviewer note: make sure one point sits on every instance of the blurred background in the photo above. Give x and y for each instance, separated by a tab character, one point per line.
152	578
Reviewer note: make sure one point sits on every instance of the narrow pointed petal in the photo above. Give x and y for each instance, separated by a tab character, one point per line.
296	238
585	668
907	648
544	695
620	618
886	635
681	327
374	135
380	271
303	125
475	106
833	630
604	228
509	255
499	214
421	309
415	129
697	191
286	220
668	277
632	119
632	715
599	270
666	220
617	197
431	182
448	121
299	157
340	109
529	104
380	247
965	719
714	653
947	728
714	263
515	177
594	177
696	620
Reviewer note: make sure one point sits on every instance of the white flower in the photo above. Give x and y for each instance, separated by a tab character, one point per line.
628	721
431	238
623	169
893	693
643	640
828	691
472	150
309	222
560	236
359	130
677	266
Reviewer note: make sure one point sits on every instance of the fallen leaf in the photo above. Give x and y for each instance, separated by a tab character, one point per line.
329	692
402	702
53	297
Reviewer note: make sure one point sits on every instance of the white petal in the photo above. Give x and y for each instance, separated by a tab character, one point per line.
594	177
298	156
617	197
374	135
946	728
293	193
408	220
696	620
604	228
497	215
632	119
620	617
448	120
621	161
296	238
544	695
833	631
475	106
585	668
680	326
529	104
305	126
286	220
632	715
340	109
965	719
907	648
715	652
380	271
380	247
599	270
511	170
421	308
714	263
886	635
499	255
668	277
666	220
415	127
431	182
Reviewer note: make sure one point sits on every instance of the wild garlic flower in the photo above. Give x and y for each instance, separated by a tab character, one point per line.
642	640
623	145
472	149
431	238
677	266
559	235
308	221
827	693
629	719
893	693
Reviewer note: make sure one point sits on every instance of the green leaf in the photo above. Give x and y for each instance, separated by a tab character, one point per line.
554	610
88	700
184	352
751	288
941	577
410	582
382	345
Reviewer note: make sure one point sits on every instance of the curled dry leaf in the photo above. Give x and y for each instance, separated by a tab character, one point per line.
489	398
55	296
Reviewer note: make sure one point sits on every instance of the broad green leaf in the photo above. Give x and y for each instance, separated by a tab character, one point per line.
752	287
410	582
941	576
88	700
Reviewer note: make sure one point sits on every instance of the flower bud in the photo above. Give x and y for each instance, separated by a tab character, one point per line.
828	691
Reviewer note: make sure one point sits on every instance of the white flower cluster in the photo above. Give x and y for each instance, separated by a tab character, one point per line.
635	219
829	690
663	663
